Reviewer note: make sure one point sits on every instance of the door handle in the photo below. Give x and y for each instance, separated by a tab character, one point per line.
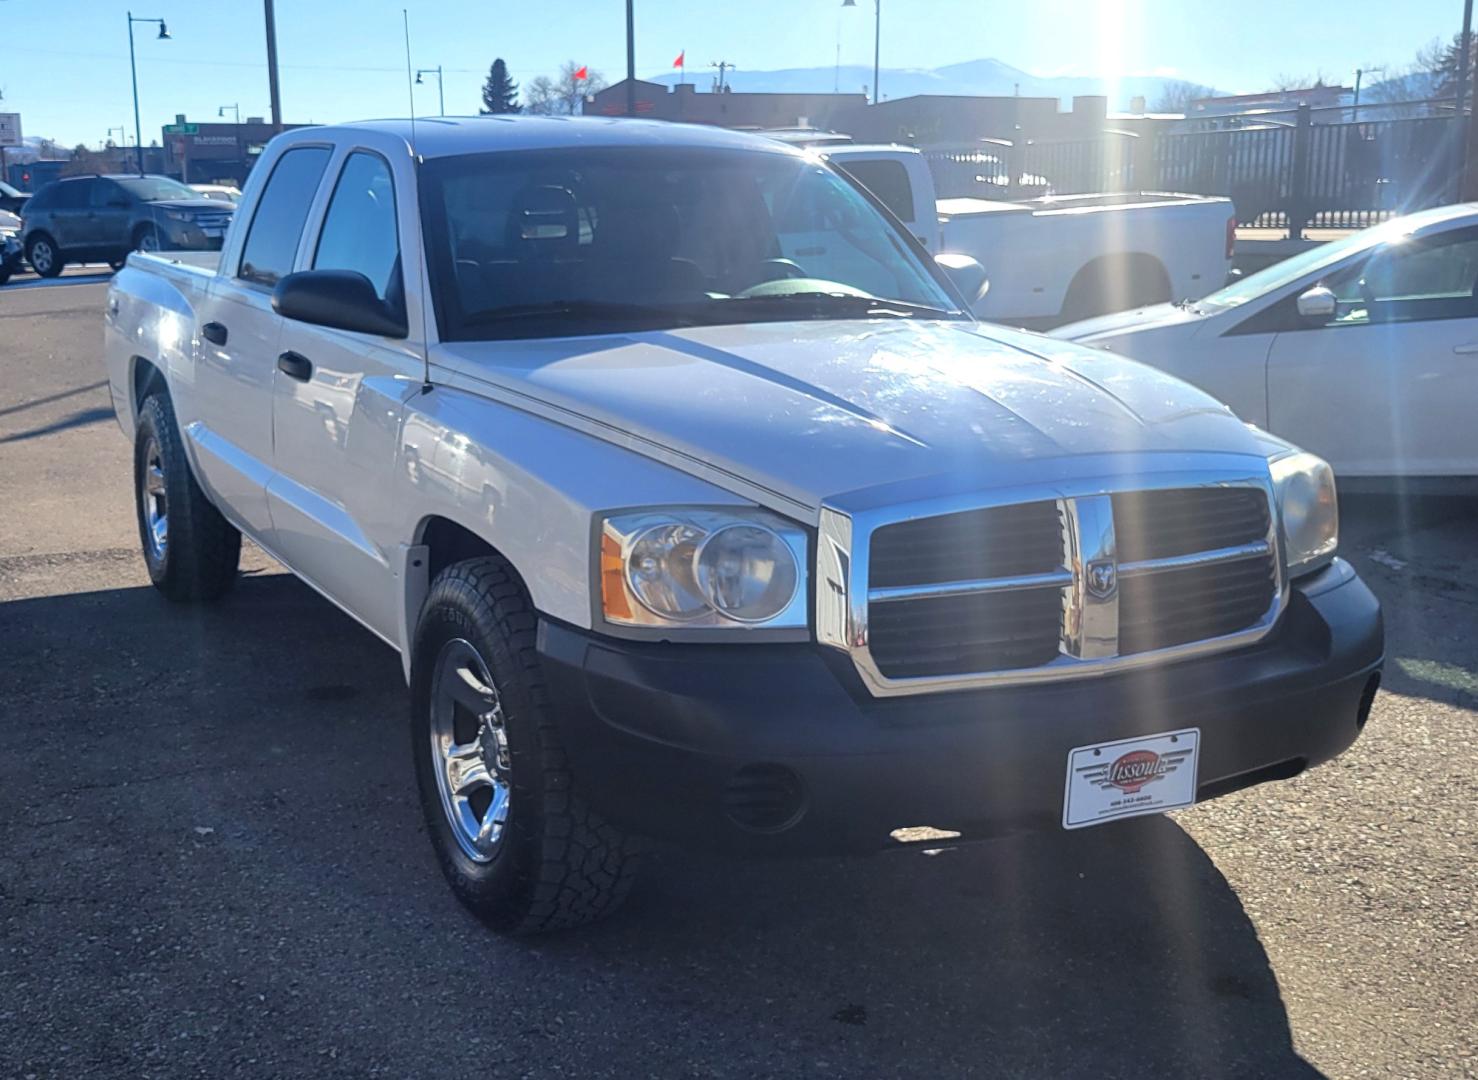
214	333
1466	350
295	366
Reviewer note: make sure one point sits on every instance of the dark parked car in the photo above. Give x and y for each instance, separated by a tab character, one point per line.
103	218
12	199
10	245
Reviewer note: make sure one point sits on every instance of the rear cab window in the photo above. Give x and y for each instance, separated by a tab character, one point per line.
277	224
886	179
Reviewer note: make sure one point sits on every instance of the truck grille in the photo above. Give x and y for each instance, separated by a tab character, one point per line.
1066	582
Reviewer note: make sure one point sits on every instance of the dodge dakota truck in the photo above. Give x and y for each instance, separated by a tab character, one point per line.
678	538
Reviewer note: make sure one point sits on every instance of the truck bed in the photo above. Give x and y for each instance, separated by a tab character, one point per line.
1126	200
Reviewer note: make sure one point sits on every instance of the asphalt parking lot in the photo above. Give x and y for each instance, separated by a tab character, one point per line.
211	860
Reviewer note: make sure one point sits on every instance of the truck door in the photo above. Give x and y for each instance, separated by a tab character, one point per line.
337	406
229	423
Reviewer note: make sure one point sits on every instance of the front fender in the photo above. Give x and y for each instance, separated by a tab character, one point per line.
528	486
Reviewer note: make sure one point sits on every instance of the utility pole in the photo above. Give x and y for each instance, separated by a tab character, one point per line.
272	66
630	58
1467	183
723	66
877	52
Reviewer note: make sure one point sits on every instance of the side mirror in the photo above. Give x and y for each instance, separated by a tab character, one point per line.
341	299
966	273
1317	304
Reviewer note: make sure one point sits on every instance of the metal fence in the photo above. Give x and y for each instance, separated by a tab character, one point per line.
1279	171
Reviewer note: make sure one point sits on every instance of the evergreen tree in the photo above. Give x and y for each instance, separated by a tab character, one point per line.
499	92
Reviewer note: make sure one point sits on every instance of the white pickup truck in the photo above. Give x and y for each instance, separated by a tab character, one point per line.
1055	259
677	538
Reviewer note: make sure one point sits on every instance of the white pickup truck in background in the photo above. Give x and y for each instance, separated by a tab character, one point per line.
1058	258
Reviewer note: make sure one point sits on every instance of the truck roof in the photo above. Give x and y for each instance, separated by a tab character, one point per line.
444	136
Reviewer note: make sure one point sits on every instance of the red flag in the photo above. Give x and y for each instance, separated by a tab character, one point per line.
679	61
583	73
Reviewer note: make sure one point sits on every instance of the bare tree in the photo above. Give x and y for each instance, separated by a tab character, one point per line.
565	95
1284	81
1176	95
541	97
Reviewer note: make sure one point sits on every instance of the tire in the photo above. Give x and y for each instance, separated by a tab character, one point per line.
191	551
146	238
546	861
44	256
4	277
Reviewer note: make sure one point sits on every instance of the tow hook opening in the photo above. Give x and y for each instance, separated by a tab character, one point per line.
1367	701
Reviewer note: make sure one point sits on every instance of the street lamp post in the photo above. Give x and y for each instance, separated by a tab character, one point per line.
630	58
877	45
440	90
133	67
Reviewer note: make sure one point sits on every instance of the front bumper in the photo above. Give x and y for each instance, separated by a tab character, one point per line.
779	748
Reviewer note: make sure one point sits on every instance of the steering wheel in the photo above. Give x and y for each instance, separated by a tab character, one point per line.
801	286
781	269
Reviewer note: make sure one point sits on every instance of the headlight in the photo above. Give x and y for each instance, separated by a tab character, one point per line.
179	215
703	569
1308	511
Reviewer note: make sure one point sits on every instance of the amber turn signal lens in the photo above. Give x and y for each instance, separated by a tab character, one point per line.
615	601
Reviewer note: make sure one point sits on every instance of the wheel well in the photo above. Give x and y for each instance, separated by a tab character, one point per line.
146	379
1132	278
446	543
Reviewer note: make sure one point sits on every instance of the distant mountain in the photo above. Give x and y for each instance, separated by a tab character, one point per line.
986	78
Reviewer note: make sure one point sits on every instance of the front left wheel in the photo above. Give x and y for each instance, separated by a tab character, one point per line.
518	844
192	552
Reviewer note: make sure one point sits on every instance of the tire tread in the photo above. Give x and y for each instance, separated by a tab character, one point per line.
584	865
204	548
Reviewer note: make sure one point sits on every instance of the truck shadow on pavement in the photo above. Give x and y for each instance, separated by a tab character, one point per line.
222	800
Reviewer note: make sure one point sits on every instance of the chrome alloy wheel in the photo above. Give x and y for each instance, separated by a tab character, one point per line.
155	501
41	256
469	747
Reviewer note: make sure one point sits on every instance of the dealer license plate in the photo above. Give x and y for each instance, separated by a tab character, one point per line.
1130	777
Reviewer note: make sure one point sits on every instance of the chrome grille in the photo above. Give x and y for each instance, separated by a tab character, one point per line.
1048	588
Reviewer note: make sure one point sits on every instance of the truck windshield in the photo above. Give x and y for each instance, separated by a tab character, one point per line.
154	188
594	240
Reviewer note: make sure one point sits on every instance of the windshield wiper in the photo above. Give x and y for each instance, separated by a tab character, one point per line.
579	309
827	303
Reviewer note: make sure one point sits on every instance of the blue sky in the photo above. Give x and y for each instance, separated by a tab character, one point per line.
66	66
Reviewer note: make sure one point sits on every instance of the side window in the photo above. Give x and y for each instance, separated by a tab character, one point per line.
277	225
104	194
359	230
888	180
1410	282
73	194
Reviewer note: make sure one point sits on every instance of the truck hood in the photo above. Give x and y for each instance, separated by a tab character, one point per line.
809	410
1123	322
